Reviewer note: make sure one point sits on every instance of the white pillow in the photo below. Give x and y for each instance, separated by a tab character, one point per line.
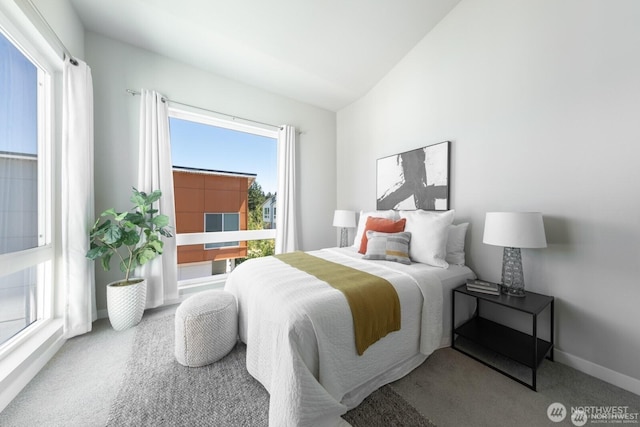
455	243
362	221
429	232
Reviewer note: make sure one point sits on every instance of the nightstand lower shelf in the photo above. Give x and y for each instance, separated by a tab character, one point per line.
503	340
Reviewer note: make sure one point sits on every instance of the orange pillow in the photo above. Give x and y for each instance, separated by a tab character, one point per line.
383	225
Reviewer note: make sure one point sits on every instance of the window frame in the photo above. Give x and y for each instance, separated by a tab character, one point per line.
16	28
190	114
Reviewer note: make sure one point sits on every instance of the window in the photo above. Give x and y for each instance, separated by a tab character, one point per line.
224	172
26	249
221	222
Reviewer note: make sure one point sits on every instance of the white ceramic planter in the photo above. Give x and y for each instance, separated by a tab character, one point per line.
125	304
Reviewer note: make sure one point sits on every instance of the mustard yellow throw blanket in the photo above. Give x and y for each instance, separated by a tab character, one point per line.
374	303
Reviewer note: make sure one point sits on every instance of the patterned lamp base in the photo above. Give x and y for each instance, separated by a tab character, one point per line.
512	274
344	236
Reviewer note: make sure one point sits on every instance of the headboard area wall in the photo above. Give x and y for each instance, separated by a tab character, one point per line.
541	121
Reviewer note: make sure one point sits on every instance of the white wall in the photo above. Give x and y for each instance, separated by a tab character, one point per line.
117	67
62	18
541	100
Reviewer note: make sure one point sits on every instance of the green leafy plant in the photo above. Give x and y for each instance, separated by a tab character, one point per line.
133	237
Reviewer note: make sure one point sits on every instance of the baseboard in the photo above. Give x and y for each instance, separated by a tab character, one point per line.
25	363
102	314
605	374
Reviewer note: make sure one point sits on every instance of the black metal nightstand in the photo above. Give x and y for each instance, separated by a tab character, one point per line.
525	349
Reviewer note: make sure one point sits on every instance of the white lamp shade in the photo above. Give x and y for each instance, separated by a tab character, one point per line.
344	219
514	230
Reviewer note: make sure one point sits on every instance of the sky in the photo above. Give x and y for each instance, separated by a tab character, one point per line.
204	146
18	100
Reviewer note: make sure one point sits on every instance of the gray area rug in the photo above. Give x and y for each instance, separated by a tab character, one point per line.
158	391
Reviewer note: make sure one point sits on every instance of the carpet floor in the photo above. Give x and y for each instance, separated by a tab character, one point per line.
158	391
81	383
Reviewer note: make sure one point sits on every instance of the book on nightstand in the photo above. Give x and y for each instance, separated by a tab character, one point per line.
483	287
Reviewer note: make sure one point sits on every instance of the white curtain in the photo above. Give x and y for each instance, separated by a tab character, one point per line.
77	271
286	236
155	173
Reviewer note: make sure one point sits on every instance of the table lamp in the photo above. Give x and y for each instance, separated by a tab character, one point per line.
514	230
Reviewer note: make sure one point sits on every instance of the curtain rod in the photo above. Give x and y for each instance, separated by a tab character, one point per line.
164	99
65	51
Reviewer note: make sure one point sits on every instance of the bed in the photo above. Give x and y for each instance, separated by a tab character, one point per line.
300	335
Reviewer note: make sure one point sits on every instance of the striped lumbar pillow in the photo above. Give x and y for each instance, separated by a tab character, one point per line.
388	246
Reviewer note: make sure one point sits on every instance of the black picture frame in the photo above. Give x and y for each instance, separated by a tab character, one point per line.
415	179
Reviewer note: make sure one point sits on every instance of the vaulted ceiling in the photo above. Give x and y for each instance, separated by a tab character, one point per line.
326	53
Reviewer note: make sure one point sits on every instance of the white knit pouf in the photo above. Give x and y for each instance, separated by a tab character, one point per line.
206	328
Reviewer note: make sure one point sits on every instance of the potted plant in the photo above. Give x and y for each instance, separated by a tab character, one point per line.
133	237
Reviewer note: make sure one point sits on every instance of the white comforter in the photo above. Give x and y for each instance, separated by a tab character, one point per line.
300	339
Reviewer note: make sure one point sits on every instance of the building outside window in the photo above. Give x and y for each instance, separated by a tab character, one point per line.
269	212
210	201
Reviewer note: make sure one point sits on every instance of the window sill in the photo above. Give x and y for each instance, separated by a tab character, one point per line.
187	288
23	359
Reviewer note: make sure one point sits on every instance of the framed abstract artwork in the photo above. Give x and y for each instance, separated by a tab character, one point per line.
416	179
